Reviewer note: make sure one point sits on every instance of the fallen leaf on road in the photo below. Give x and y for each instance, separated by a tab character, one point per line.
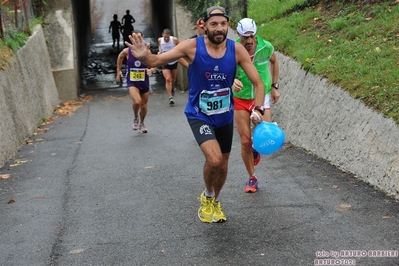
86	98
335	186
50	120
76	251
68	107
5	176
11	201
41	248
18	163
116	98
344	207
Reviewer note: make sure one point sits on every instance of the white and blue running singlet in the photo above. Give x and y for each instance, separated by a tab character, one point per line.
210	97
167	46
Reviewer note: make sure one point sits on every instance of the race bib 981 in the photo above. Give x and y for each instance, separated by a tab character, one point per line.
215	102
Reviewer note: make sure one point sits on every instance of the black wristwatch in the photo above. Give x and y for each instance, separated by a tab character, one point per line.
260	109
275	85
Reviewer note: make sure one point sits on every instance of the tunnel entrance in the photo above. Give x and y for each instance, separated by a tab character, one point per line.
96	56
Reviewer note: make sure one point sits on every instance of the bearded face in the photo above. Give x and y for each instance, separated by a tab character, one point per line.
217	28
216	37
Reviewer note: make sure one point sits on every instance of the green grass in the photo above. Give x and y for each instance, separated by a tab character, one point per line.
5	55
13	40
10	44
354	47
271	9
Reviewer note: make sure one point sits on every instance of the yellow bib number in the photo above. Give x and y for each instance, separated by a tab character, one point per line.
137	74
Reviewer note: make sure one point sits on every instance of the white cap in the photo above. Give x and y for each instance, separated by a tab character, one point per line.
246	24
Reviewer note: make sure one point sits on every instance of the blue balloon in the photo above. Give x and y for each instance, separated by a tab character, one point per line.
268	137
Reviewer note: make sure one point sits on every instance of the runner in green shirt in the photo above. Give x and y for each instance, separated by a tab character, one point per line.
261	53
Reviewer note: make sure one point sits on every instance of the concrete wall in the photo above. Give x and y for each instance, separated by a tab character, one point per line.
61	47
325	120
27	94
184	30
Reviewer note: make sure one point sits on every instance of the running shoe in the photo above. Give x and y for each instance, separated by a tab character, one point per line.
171	102
218	214
143	129
252	185
205	211
256	156
135	124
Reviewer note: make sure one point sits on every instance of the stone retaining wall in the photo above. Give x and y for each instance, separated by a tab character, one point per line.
27	94
328	122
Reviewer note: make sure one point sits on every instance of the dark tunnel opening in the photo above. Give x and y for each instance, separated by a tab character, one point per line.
82	27
162	17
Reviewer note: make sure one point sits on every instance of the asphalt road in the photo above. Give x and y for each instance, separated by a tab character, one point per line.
88	190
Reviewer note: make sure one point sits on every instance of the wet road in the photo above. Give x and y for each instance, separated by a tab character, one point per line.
88	190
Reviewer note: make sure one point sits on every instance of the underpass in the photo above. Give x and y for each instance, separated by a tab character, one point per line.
99	71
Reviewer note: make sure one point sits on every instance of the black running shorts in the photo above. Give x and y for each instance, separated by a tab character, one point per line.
167	66
203	132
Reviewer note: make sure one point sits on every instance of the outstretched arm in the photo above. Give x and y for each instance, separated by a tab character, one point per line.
141	52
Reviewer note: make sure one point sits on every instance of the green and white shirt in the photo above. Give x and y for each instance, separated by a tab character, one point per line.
263	52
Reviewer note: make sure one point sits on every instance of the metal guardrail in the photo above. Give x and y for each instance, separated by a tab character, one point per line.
15	15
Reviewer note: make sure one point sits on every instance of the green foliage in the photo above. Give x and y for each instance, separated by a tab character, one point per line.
15	39
355	46
337	24
272	9
235	8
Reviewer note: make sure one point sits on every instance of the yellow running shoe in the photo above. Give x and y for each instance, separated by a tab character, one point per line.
205	211
218	214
